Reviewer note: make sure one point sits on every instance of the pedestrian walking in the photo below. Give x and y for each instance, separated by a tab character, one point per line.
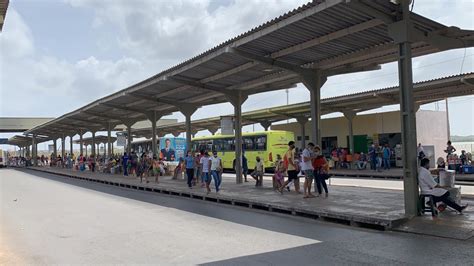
205	166
257	173
292	168
386	157
307	168
278	176
245	166
321	168
216	168
125	161
189	162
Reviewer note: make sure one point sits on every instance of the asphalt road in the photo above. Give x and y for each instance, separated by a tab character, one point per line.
53	220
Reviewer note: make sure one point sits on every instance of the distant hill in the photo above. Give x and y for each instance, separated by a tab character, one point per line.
462	138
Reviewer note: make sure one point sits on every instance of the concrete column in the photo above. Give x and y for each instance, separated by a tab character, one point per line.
93	144
81	147
71	145
237	100
129	139
109	140
63	147
55	146
302	121
266	125
350	117
313	82
407	113
154	117
188	111
34	151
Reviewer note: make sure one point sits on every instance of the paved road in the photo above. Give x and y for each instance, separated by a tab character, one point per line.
51	220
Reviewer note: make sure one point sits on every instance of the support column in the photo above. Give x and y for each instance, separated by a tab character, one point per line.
154	117
129	123
313	82
81	147
350	117
407	113
63	147
237	100
71	145
93	144
55	146
34	150
188	111
110	126
302	121
265	125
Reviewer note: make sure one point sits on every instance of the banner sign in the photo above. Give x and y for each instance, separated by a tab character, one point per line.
171	149
227	125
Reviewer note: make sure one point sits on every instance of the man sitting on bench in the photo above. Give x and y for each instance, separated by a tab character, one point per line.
429	186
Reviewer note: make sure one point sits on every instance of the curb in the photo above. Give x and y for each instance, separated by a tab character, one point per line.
323	215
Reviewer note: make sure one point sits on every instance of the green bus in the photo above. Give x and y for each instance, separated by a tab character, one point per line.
265	144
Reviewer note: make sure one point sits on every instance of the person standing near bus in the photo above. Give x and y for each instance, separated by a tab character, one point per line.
189	162
205	166
386	157
245	166
292	168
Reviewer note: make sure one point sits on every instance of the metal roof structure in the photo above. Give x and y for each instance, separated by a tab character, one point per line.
19	124
98	139
24	141
3	12
424	92
333	36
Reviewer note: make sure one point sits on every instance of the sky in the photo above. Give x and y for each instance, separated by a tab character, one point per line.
59	55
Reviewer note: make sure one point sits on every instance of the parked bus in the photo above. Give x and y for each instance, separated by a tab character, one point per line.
266	145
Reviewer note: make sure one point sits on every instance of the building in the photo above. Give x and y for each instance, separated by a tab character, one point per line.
376	128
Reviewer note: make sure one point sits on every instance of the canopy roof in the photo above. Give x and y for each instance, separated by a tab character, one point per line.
333	36
424	92
98	139
23	141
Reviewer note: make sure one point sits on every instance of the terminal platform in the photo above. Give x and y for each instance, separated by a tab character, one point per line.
374	208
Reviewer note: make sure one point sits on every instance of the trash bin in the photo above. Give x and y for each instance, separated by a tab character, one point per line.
447	178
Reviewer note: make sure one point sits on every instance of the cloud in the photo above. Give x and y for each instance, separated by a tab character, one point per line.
49	86
168	32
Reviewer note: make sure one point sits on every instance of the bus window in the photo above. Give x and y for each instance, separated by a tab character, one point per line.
218	145
249	143
261	143
228	144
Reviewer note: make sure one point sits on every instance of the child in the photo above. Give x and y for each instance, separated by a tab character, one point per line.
279	170
179	169
257	174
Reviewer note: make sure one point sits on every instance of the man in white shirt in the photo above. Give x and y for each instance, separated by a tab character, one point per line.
307	168
429	187
205	165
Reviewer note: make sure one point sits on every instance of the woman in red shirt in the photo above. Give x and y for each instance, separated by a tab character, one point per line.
321	168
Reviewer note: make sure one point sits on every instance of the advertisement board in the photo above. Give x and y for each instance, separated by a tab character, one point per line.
171	149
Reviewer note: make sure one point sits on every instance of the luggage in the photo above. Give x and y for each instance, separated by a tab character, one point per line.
468	169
